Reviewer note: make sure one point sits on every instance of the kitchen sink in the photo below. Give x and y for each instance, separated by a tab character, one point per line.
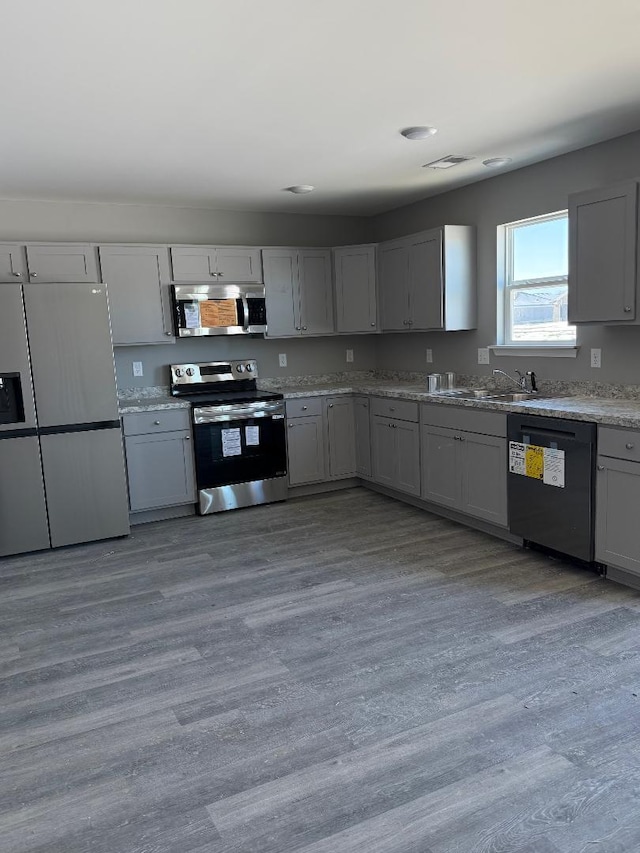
493	395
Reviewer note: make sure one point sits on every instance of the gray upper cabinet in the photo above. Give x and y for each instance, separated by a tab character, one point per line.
341	440
221	264
355	289
13	267
428	280
137	279
298	291
62	262
603	243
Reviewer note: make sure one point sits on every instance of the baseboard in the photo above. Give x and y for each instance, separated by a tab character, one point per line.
436	509
321	488
162	514
623	577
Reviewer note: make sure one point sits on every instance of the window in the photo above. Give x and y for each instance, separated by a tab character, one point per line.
535	282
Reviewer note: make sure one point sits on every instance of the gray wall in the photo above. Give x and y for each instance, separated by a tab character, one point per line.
532	191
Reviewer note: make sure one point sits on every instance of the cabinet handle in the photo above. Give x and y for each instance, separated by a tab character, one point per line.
627	309
33	274
187	438
409	322
600	467
157	423
290	425
373	324
392	408
214	274
629	446
18	274
304	408
219	275
297	328
331	405
169	334
304	328
462	438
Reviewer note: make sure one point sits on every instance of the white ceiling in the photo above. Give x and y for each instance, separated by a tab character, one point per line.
222	104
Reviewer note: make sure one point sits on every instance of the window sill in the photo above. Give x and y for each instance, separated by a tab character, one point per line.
537	352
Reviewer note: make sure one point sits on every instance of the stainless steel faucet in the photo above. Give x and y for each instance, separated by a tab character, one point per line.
525	381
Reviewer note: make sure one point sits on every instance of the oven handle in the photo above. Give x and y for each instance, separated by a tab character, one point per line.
238	413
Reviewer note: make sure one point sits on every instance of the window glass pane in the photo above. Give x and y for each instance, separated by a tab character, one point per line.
539	314
540	249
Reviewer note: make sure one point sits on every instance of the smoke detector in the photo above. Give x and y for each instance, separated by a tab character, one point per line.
496	162
300	189
447	162
418	132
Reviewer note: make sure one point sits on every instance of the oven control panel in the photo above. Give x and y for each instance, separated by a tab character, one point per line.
213	371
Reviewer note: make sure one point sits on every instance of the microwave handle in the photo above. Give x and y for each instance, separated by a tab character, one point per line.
245	311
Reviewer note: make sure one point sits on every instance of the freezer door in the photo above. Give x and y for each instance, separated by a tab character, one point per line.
23	513
71	353
86	486
14	353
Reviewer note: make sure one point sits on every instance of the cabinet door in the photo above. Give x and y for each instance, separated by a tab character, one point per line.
137	279
407	457
383	451
363	436
483	465
281	292
603	234
306	450
160	470
617	502
341	437
193	263
238	264
355	271
440	480
426	286
86	486
62	263
316	292
12	264
394	287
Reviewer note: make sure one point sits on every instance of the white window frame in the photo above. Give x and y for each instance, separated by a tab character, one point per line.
509	286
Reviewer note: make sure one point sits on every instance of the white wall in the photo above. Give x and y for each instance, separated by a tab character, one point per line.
532	191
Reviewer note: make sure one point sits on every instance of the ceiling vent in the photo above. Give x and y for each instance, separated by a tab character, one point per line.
447	162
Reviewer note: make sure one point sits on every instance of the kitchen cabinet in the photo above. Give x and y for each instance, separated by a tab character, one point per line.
341	439
355	289
603	244
428	282
305	442
218	264
159	454
13	266
618	498
464	468
395	445
362	421
62	262
137	279
299	293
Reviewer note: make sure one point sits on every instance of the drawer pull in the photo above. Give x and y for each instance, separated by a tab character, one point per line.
157	423
331	405
304	408
392	408
629	445
187	438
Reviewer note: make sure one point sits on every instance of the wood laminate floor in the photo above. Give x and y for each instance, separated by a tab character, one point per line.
336	674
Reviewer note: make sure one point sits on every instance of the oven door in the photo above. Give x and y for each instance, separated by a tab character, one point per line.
241	444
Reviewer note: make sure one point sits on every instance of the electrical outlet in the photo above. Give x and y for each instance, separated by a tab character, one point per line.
349	356
596	357
429	356
282	359
483	355
137	368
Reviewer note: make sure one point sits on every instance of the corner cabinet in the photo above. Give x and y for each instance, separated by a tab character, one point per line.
603	246
137	279
299	292
428	281
355	289
341	437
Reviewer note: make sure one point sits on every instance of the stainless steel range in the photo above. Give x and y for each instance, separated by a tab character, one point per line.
239	434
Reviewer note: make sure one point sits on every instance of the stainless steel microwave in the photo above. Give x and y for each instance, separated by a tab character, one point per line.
219	309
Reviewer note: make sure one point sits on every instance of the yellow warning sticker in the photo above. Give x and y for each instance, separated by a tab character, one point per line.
534	461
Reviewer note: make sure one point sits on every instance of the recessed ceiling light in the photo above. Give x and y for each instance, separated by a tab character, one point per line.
300	189
447	162
496	162
418	132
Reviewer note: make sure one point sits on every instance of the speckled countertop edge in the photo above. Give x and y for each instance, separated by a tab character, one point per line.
605	411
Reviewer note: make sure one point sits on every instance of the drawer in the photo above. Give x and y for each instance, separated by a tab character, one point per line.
464	418
401	410
158	420
619	443
304	407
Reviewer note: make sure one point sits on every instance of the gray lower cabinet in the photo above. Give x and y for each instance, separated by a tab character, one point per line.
618	499
137	279
362	421
396	454
355	289
306	450
160	466
464	470
341	438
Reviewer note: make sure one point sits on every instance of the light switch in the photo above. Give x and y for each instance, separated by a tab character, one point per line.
282	359
137	368
596	357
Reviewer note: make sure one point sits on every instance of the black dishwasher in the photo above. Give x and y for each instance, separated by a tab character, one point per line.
551	483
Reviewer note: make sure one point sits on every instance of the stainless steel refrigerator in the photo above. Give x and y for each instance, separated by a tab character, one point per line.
62	474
